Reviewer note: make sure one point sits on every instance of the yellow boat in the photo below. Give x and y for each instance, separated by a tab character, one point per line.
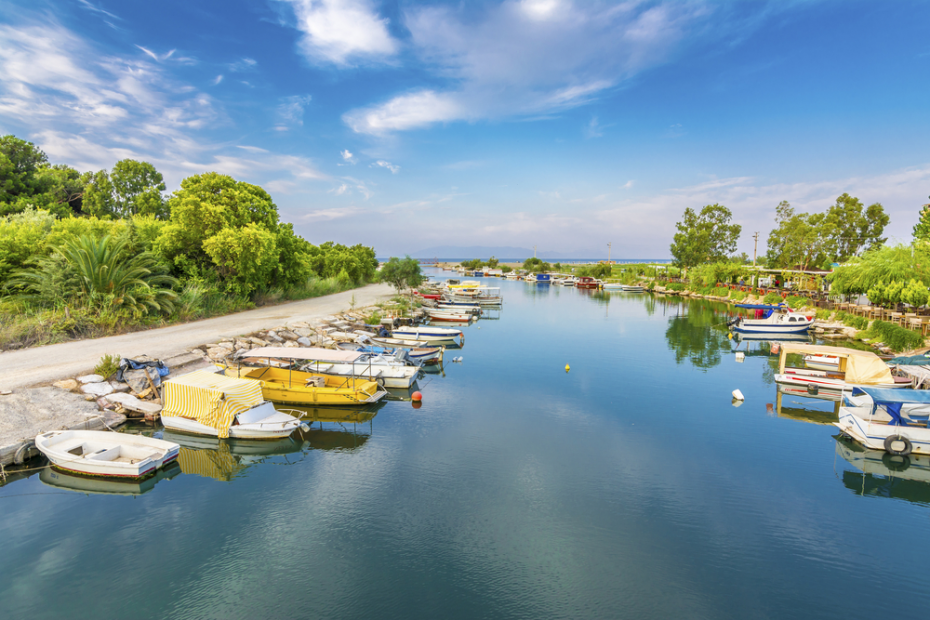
295	387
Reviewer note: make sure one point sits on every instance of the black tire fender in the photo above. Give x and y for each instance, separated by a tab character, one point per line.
892	439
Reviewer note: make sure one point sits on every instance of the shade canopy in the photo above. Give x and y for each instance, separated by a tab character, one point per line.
862	367
306	353
886	396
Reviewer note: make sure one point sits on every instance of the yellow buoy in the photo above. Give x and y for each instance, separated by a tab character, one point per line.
567	368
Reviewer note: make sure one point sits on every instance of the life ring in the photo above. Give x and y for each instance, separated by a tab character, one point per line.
891	440
896	462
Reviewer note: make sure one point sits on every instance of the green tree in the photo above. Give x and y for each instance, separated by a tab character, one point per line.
245	257
131	188
492	263
922	227
880	266
850	227
798	239
705	236
536	265
401	274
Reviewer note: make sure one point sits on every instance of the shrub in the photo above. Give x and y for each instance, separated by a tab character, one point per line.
823	314
738	296
796	303
107	366
676	286
772	298
721	291
895	336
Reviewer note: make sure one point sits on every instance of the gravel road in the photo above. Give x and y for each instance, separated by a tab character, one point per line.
38	365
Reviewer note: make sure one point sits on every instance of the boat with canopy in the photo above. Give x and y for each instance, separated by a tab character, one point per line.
854	369
420	356
282	383
773	322
895	421
209	403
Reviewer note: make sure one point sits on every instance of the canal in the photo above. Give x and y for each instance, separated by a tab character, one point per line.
629	486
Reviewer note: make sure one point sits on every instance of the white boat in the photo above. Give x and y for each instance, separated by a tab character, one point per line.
822	362
420	356
448	315
387	371
206	403
428	333
854	369
632	288
397	343
613	286
776	322
891	420
105	453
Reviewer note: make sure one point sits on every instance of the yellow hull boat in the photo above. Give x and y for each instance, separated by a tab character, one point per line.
295	387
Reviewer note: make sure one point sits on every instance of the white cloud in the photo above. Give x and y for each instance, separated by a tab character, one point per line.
251	149
627	185
342	31
347	156
386	164
525	59
246	64
217	80
339	191
95	9
327	215
594	129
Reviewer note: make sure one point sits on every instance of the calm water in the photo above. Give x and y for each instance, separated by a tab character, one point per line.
629	487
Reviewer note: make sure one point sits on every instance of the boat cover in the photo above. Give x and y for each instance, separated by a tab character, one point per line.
888	396
759	306
210	398
912	360
861	366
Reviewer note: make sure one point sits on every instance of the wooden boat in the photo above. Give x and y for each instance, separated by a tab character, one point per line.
434	297
210	403
105	453
428	333
891	420
420	356
854	369
788	322
296	387
586	282
632	288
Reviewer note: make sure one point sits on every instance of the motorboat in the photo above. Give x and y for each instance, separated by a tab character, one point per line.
854	369
420	356
775	322
613	286
586	282
284	384
633	288
388	371
822	362
891	420
428	333
210	403
397	343
106	453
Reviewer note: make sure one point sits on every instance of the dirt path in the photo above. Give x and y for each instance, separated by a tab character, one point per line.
27	367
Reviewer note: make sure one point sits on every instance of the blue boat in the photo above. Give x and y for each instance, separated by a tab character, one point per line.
542	278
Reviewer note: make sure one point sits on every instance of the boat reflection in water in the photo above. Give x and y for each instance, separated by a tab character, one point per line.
880	474
95	485
224	459
788	406
340	428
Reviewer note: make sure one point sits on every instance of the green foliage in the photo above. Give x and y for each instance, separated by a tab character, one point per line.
738	296
709	274
132	188
536	265
896	337
474	264
493	262
915	293
796	302
107	366
374	319
675	286
922	227
819	239
401	274
599	270
896	263
506	269
244	257
823	314
857	322
707	236
772	298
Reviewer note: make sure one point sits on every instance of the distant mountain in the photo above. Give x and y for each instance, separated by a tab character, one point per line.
485	252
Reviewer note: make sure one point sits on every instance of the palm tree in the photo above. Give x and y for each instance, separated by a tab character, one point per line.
104	276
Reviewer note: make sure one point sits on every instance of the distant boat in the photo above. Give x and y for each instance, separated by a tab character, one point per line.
420	356
448	315
613	286
633	288
428	333
586	282
105	453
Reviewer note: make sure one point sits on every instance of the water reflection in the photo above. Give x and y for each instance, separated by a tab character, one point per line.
787	406
225	459
880	474
106	486
698	334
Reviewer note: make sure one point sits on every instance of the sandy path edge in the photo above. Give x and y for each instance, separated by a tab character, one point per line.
37	365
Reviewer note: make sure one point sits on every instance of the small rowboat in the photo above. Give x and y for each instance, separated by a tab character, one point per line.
633	288
448	315
428	333
398	343
103	453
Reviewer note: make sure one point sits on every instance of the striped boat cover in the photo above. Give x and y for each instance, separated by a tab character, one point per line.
211	399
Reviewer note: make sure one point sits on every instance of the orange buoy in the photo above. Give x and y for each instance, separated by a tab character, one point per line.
417	397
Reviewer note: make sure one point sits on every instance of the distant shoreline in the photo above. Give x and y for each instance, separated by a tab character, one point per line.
616	261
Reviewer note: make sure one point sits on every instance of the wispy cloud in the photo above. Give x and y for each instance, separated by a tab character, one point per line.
327	215
386	164
217	80
594	129
246	64
347	156
343	32
525	59
96	9
290	112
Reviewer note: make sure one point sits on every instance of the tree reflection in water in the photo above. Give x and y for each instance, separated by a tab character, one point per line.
697	332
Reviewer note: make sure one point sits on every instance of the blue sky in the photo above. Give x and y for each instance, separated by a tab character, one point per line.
561	124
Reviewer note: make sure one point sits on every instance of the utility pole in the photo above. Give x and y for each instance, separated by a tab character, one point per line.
534	251
755	247
608	252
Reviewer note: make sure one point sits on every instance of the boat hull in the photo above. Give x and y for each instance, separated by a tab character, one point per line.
872	435
107	454
290	387
238	431
818	379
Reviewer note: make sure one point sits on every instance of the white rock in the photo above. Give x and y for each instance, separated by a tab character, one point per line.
288	335
127	401
97	389
304	342
90	379
119	386
290	344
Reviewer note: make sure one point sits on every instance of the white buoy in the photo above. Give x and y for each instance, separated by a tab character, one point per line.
738	395
740	356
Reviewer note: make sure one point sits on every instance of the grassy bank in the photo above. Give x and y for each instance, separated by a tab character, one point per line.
24	323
